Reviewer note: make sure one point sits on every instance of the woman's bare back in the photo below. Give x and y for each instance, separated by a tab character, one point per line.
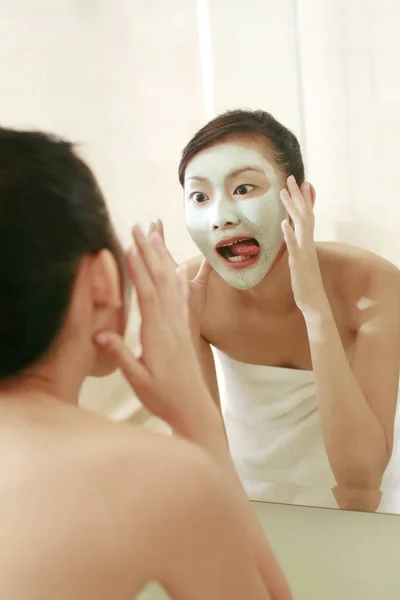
94	510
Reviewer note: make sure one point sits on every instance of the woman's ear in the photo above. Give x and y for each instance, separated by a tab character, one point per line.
105	281
109	308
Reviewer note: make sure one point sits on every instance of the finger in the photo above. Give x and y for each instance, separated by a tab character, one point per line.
290	237
295	193
167	282
167	262
204	273
132	368
169	286
290	206
182	270
145	289
152	228
182	273
306	192
145	245
160	229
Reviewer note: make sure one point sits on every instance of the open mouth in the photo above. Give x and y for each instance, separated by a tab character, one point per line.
239	252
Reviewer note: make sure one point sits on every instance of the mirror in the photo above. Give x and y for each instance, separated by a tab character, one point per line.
307	380
294	399
309	403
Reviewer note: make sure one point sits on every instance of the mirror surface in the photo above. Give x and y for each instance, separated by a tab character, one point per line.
306	354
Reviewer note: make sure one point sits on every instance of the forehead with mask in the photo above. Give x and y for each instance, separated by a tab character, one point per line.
232	172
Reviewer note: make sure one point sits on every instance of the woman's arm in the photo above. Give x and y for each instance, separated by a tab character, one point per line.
207	363
357	402
361	500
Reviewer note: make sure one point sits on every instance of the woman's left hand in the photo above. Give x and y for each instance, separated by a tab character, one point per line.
307	285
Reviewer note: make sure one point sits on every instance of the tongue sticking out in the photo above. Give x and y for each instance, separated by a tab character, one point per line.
245	248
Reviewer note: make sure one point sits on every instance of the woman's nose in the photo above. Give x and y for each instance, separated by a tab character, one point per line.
225	216
226	225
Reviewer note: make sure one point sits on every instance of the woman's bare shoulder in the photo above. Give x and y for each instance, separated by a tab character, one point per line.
87	439
356	267
104	498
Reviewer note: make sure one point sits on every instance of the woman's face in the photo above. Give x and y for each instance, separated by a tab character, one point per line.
233	210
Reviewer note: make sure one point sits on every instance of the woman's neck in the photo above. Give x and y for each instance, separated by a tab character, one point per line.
46	382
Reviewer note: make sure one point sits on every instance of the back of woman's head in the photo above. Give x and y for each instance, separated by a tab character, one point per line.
52	214
256	124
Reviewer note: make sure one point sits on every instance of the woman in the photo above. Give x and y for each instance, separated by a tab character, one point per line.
91	509
306	334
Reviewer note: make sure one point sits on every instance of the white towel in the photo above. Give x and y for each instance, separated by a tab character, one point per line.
274	432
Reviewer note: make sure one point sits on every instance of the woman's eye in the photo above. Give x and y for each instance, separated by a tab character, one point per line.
198	197
243	189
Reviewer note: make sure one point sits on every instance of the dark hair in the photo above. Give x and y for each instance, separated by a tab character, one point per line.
257	124
52	214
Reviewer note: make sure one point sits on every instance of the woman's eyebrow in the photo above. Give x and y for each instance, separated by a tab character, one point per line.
196	178
233	173
241	170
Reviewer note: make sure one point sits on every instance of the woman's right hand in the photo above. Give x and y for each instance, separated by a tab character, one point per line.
167	377
197	286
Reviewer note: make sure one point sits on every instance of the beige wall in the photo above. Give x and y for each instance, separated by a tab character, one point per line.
254	58
121	77
351	94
